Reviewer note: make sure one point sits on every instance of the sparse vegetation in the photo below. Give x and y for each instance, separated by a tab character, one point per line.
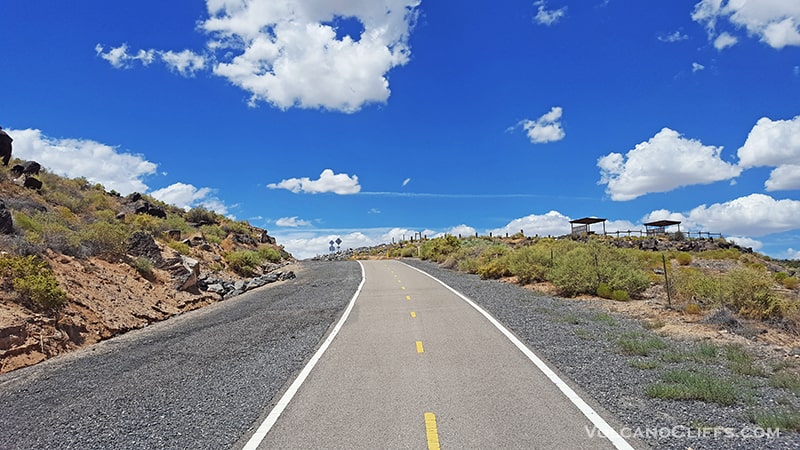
689	385
640	344
33	280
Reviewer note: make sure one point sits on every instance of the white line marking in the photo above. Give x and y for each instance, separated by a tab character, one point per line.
276	412
609	432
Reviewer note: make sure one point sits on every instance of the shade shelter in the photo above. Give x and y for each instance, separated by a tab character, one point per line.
659	227
582	226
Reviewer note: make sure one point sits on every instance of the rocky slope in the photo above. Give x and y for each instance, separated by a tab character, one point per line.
107	296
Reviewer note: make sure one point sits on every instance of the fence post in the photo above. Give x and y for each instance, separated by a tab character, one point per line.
666	281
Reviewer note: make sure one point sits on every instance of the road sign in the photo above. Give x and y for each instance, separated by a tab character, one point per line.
333	249
338	241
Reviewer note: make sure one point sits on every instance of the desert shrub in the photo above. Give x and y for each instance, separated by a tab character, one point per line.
201	215
748	290
604	290
791	282
683	258
176	222
243	262
582	269
27	222
60	238
143	265
214	234
494	269
620	295
575	273
145	222
408	252
721	253
692	284
105	239
693	308
180	247
438	249
240	227
269	254
530	264
33	280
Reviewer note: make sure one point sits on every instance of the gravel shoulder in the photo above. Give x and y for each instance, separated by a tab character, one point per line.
199	380
583	344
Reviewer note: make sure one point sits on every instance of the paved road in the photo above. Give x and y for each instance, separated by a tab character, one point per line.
415	366
197	381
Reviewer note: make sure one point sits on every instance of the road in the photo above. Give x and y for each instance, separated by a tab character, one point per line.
412	366
200	380
415	366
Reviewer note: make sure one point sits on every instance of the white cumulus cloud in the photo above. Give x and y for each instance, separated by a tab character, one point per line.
546	16
328	181
696	67
546	128
73	158
724	41
185	62
551	224
676	36
753	215
663	163
462	230
774	143
774	22
296	53
292	222
187	196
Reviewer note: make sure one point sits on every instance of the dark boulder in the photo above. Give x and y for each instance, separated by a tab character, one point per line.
5	146
142	244
145	207
26	168
32	183
6	221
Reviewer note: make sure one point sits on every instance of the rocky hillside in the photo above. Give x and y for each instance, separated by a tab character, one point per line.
80	264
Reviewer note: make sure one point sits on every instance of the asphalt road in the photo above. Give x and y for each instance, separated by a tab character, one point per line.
415	366
390	378
200	380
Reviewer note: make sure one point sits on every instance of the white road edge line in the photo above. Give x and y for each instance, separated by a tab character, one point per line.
610	433
276	412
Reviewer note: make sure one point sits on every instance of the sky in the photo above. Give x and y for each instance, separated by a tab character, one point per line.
374	120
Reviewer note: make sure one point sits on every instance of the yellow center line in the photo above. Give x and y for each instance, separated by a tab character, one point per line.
413	315
399	281
408	297
419	347
403	288
431	431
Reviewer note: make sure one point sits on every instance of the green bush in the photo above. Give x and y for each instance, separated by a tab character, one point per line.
582	269
201	215
683	258
144	266
214	234
620	295
105	239
269	254
494	269
604	290
575	273
691	284
33	280
438	249
180	247
530	264
748	290
243	262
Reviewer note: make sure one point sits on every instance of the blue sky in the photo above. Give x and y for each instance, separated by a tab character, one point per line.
373	120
